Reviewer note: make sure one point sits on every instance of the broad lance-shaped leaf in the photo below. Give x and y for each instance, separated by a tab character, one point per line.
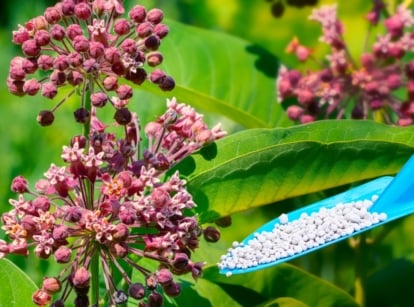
16	287
223	74
262	166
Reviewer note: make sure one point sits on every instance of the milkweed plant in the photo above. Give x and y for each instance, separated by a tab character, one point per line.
118	196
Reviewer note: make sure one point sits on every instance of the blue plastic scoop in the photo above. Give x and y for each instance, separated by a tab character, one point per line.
396	199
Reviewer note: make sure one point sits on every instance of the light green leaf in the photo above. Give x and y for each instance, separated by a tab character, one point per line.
219	73
262	166
284	302
16	287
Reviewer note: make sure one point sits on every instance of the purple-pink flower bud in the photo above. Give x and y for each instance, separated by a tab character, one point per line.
137	13
96	49
51	285
45	62
49	90
82	11
31	87
30	48
155	16
42	37
129	46
74	78
68	7
161	30
81	278
73	30
57	77
19	185
112	55
57	32
110	83
61	62
124	91
144	29
99	99
122	27
52	15
80	43
137	291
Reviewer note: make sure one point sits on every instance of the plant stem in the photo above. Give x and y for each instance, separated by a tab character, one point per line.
95	279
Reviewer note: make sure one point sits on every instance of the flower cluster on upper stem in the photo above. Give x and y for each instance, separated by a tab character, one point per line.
91	47
379	86
113	202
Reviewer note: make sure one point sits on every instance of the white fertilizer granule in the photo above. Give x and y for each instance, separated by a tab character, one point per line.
292	237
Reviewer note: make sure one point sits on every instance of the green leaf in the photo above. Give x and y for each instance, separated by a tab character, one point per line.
203	293
220	73
284	302
16	287
262	166
286	281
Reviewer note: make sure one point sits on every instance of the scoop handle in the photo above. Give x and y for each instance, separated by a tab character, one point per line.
398	196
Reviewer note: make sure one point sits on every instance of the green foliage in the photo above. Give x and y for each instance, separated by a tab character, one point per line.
16	287
261	166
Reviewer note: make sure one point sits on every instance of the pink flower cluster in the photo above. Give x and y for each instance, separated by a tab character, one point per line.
113	202
380	85
89	46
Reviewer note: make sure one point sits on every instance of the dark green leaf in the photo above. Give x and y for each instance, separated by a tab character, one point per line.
287	281
16	287
262	166
223	74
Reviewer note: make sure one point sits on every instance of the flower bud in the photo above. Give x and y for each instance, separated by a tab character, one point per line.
82	11
68	7
124	91
52	15
41	298
74	30
51	285
41	203
154	59
96	49
137	76
57	32
45	62
151	282
30	48
211	234
19	185
137	13
123	116
80	43
223	221
167	84
121	232
161	30
164	277
155	16
99	99
42	37
180	261
144	29
121	27
81	278
31	87
49	90
173	289
120	297
152	42
155	299
74	78
60	232
45	118
110	83
82	115
137	291
63	254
